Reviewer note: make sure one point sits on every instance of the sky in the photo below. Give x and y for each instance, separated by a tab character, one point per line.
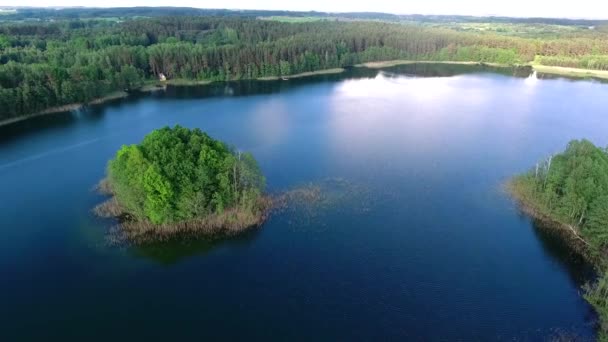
590	9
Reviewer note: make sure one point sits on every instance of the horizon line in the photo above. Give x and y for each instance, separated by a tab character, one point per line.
58	7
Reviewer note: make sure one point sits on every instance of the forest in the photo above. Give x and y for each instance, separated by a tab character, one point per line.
177	175
571	188
49	63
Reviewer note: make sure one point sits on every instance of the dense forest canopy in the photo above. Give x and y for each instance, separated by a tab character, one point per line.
177	175
572	188
49	63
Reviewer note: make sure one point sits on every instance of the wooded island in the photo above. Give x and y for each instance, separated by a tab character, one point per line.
183	181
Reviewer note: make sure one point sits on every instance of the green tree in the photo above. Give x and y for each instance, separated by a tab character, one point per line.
177	174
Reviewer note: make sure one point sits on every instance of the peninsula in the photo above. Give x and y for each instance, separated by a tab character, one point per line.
569	190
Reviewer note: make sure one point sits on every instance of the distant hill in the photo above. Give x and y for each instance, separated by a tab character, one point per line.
35	13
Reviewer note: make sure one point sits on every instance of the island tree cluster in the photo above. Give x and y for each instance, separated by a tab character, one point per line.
178	176
49	64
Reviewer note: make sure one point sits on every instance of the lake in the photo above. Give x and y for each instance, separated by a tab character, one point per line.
415	239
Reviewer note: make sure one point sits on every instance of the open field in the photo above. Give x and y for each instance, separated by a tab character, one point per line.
288	19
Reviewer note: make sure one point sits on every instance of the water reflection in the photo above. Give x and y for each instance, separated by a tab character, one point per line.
532	79
423	254
545	76
270	121
172	252
557	243
87	115
241	88
449	70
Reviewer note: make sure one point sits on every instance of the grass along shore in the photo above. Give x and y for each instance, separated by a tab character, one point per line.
230	222
545	69
388	64
571	72
304	74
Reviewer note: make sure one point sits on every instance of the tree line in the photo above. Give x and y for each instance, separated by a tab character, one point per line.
49	64
572	188
71	13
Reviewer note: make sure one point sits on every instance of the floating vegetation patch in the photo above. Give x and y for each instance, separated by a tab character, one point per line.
304	207
309	206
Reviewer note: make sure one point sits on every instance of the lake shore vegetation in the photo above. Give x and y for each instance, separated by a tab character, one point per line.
54	63
569	190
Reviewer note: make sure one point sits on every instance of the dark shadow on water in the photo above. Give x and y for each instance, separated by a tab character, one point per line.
558	244
304	208
450	70
87	115
172	252
544	76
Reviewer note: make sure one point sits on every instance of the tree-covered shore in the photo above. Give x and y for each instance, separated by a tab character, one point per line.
181	181
569	190
49	64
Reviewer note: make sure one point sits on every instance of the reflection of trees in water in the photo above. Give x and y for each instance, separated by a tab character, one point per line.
560	245
305	207
173	251
39	124
243	88
449	70
545	76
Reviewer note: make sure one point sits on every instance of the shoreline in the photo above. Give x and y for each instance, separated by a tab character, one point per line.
130	230
571	72
544	69
66	108
127	230
594	290
152	86
180	82
529	208
392	63
304	74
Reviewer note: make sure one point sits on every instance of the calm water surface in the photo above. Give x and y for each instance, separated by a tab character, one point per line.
427	246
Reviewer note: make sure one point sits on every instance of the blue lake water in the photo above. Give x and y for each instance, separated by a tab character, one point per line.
420	243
